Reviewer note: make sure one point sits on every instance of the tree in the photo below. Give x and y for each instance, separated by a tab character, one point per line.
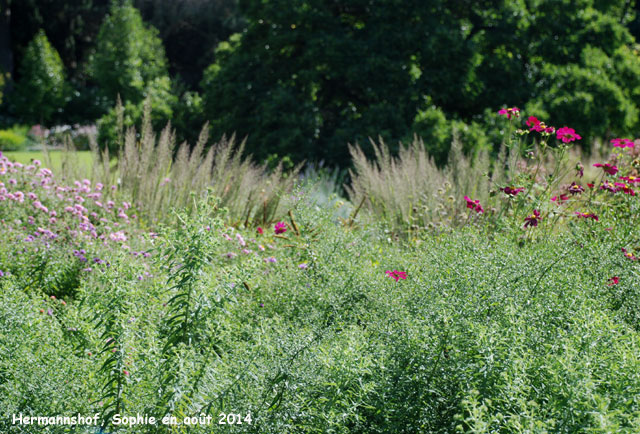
129	55
306	77
40	92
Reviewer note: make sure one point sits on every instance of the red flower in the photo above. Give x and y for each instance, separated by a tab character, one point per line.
260	230
567	135
533	219
587	215
590	185
614	280
562	198
508	112
575	188
396	275
512	191
474	205
280	228
609	168
622	143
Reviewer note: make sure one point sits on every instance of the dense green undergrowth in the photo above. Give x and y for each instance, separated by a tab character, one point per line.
485	334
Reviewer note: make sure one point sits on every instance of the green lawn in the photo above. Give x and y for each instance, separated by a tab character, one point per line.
80	161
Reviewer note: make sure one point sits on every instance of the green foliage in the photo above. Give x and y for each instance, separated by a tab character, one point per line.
14	139
41	90
129	56
325	75
160	101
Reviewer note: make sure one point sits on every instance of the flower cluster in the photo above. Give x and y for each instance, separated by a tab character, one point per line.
396	275
474	205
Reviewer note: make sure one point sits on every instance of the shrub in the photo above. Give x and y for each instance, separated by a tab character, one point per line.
14	139
436	131
40	92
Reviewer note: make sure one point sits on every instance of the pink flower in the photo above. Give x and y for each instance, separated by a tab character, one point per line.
396	275
608	168
508	112
533	219
280	228
567	135
587	215
606	185
474	205
631	179
614	280
629	255
512	191
624	188
622	143
575	188
260	230
532	121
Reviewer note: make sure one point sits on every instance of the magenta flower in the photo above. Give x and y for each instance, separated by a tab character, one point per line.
260	230
280	228
512	191
608	168
575	188
629	255
508	112
587	215
567	135
533	219
474	205
622	143
624	188
631	179
606	185
532	121
614	280
396	275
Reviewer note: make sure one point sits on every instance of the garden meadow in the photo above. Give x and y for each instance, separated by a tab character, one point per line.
265	216
502	301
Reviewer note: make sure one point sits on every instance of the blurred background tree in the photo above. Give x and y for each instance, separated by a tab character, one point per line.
303	78
40	91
